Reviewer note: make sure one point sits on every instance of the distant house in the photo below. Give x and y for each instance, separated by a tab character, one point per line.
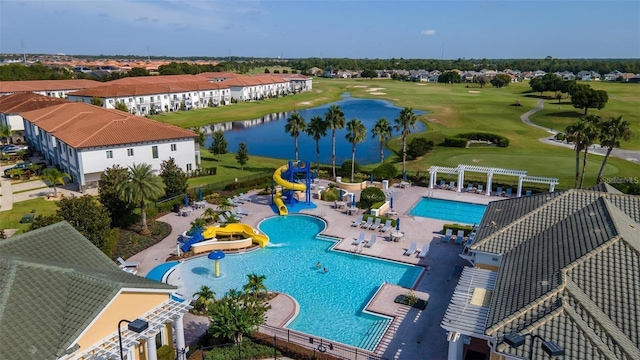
539	73
12	105
561	266
588	75
612	76
328	73
62	298
315	71
84	140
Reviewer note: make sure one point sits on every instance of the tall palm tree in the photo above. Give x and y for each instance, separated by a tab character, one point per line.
54	176
611	132
143	185
404	123
334	118
255	284
357	134
382	131
295	125
575	134
204	296
591	134
5	132
317	129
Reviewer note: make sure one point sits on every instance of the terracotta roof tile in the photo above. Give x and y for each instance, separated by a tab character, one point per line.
44	85
82	125
20	102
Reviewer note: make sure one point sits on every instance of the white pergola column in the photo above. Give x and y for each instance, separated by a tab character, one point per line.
152	354
489	183
519	186
552	187
455	348
432	179
460	179
180	345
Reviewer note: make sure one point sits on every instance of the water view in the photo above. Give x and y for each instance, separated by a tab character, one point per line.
266	136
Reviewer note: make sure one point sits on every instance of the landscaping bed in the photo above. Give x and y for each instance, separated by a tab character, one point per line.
412	301
131	242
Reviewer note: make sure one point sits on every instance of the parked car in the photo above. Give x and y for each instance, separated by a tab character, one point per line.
13	149
20	166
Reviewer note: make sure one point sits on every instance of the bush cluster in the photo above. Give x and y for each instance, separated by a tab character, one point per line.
370	196
165	352
417	147
455	142
202	172
290	350
345	169
461	139
248	184
248	350
385	171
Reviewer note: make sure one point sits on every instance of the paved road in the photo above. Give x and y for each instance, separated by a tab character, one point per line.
629	155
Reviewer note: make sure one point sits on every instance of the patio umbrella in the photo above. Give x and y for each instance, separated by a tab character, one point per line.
186	200
216	255
354	200
398	224
404	176
340	194
200	194
391	203
371	179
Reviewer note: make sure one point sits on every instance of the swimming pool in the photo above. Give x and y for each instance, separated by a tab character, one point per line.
331	304
456	211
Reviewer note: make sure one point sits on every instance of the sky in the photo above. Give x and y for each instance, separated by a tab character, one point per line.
322	28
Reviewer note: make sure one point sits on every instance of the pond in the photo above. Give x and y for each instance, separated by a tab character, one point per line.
266	136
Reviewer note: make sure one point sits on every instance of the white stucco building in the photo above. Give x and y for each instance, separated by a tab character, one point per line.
84	140
12	105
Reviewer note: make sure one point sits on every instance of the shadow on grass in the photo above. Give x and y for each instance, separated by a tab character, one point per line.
538	96
564	114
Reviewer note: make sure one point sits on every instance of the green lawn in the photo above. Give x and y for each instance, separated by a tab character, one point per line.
452	109
11	219
229	169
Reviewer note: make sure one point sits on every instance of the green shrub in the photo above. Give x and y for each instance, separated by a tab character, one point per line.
248	350
330	194
455	142
377	205
291	350
111	241
504	142
249	184
455	227
498	140
152	212
385	171
370	196
165	352
417	147
345	169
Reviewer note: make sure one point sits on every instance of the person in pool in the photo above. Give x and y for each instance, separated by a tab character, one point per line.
326	270
318	265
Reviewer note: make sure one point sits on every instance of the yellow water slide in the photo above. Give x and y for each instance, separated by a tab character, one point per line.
237	229
277	199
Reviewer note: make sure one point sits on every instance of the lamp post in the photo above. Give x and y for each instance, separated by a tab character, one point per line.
137	325
549	347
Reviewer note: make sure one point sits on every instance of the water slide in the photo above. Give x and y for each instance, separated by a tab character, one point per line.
277	199
237	229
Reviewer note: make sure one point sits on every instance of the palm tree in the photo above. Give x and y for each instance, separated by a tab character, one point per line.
317	129
203	297
5	132
143	185
591	134
54	176
295	125
404	123
382	131
357	134
575	134
334	118
255	285
611	132
582	133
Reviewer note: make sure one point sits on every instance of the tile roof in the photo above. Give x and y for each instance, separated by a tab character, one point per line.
569	272
53	283
19	102
81	125
119	90
44	85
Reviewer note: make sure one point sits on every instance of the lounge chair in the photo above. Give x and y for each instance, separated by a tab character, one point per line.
480	189
442	184
528	193
460	237
368	223
470	187
240	211
386	227
222	219
412	249
357	221
360	239
371	241
452	185
233	202
125	264
376	224
447	235
236	214
424	251
499	191
244	197
508	193
130	270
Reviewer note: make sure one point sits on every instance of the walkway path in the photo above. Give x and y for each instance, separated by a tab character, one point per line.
629	155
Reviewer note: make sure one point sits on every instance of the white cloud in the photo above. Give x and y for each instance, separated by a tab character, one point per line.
428	32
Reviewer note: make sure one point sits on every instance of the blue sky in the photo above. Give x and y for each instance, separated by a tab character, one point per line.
319	28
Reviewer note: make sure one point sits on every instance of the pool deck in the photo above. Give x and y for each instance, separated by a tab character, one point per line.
413	333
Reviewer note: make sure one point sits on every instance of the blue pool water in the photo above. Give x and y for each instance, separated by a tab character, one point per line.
331	303
262	138
157	273
456	211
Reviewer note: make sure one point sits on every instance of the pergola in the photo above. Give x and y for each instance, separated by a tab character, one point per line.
490	171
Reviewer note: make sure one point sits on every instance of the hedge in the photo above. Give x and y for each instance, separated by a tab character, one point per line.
461	139
455	227
291	350
455	142
165	352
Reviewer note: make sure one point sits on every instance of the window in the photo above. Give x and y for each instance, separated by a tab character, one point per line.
141	100
109	154
130	152
166	96
152	99
130	99
189	167
174	147
154	152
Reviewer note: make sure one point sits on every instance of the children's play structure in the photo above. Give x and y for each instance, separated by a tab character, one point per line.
210	235
293	177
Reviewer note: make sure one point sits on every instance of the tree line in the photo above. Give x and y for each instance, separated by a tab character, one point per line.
582	96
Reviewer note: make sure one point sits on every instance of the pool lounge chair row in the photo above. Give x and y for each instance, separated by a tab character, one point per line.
370	224
370	243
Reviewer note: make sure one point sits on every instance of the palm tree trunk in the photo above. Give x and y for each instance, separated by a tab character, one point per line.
143	215
585	110
333	152
353	160
575	184
295	138
584	165
55	190
317	155
381	151
404	155
604	163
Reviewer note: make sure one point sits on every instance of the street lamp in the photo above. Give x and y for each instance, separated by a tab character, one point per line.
549	347
137	325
